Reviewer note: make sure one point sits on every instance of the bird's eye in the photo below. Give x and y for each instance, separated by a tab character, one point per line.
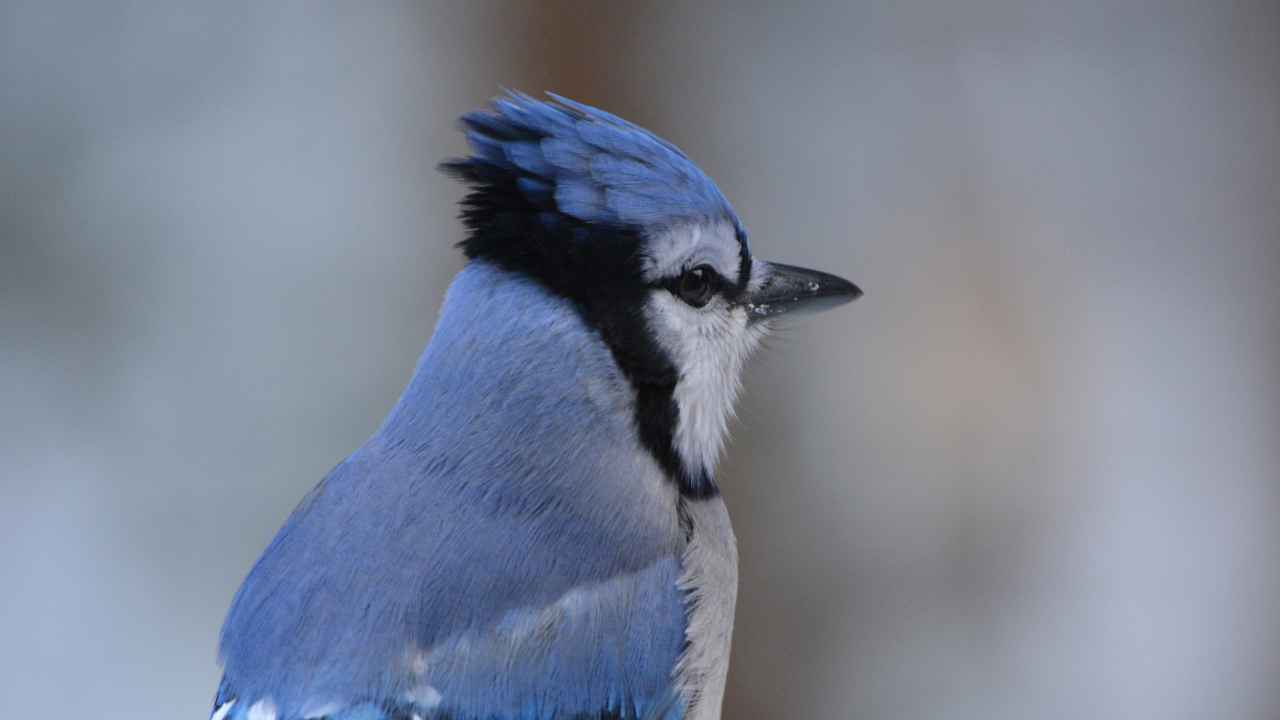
696	285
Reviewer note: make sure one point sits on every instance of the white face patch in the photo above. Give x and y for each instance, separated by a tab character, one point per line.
676	249
709	346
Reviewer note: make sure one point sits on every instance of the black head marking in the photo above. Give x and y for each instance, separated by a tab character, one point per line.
565	194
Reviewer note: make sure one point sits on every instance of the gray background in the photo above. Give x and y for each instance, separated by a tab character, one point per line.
1032	474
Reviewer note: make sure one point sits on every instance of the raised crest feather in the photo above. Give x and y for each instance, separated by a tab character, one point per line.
531	157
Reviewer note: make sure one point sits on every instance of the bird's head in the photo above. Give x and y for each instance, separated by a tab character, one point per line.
621	223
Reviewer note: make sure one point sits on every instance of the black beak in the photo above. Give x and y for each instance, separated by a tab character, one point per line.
786	288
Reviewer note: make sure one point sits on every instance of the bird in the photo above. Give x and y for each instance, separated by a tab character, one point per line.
536	530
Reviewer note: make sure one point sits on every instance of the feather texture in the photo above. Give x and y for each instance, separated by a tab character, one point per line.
604	170
503	547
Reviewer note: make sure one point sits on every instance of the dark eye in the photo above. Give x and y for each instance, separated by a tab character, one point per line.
697	285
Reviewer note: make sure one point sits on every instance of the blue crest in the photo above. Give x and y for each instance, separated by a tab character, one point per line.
569	159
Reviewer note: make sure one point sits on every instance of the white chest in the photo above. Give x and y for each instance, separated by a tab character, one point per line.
710	581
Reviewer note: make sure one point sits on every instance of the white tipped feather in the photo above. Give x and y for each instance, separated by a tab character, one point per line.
223	709
262	710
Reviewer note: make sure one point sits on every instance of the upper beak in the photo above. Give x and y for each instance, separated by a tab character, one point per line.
786	288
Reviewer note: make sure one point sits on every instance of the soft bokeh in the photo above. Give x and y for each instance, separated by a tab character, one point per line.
1034	473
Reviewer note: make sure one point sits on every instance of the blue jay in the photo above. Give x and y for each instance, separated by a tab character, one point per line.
535	532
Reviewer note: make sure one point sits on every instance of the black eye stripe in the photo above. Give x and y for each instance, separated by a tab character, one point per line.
744	262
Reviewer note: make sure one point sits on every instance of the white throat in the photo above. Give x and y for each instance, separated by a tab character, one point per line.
709	347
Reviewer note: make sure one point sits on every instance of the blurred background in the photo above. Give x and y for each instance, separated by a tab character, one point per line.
1034	473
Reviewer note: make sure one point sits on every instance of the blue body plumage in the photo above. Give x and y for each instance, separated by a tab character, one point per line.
466	523
534	532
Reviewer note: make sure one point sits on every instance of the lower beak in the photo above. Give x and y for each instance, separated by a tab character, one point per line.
786	288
